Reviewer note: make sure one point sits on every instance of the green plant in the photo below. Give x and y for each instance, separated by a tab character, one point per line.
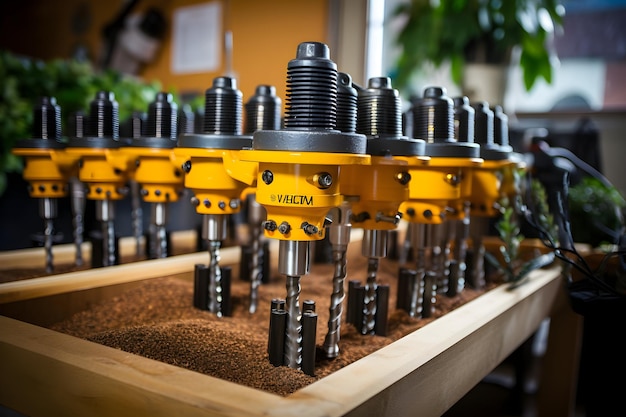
73	83
513	267
461	31
595	212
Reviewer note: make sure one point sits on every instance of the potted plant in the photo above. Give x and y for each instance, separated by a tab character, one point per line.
464	32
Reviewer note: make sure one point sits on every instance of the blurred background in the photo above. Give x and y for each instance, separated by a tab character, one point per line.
179	46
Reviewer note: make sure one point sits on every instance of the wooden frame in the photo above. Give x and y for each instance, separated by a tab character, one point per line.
48	373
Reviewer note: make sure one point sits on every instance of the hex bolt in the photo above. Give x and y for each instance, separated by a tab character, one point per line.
310	229
325	180
284	228
267	176
270	225
403	177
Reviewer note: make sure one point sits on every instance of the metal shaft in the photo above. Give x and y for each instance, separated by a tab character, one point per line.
136	215
215	278
293	261
77	192
48	211
374	247
256	215
159	216
339	237
105	214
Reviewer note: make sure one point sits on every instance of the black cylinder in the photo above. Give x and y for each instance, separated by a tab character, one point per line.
347	98
382	310
162	117
201	287
103	116
500	127
463	120
47	119
483	124
379	112
309	332
311	88
263	110
223	107
276	343
433	116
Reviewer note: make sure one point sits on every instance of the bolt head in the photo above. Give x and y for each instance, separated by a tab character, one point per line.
267	176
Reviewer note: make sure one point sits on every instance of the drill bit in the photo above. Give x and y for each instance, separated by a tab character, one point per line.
105	213
136	215
214	227
48	211
293	262
215	278
339	236
159	240
256	214
78	211
374	247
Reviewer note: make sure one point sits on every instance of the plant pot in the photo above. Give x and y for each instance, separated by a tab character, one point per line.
485	82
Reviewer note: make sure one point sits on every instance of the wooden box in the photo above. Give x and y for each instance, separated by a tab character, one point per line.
46	373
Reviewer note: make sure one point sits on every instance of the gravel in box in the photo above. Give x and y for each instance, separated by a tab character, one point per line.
157	320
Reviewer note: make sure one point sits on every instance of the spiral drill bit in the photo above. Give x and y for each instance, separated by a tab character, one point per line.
370	293
262	113
339	236
298	171
77	194
217	177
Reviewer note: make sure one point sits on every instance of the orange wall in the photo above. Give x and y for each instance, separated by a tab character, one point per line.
265	36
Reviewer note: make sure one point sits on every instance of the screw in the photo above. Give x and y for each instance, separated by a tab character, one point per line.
325	180
267	176
428	214
269	225
234	203
137	163
206	203
194	201
380	217
284	228
221	205
410	211
310	229
143	192
403	177
157	193
186	167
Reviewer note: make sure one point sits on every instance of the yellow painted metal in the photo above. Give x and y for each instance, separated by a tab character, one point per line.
213	178
47	171
375	190
294	196
487	188
158	171
104	171
436	183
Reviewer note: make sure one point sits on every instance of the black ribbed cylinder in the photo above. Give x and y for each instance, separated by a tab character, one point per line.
379	109
463	120
47	119
500	127
263	110
223	107
162	117
77	124
347	98
433	116
483	124
311	88
103	116
186	120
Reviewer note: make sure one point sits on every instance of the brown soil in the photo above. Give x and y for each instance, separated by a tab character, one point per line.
157	320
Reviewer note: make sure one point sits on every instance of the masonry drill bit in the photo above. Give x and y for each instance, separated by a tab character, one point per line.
293	336
374	248
77	192
256	215
214	232
48	212
339	236
159	240
105	214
